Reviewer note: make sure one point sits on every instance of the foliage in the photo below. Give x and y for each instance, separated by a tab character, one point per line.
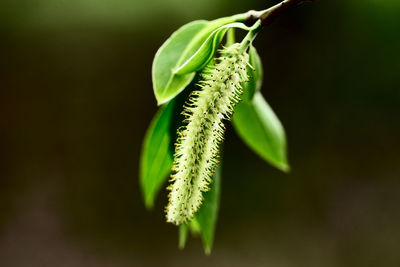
195	188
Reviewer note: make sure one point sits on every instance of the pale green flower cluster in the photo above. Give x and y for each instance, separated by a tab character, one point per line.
197	148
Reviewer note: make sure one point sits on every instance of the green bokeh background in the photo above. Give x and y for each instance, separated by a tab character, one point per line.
76	98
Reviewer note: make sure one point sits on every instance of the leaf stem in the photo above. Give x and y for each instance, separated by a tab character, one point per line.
250	36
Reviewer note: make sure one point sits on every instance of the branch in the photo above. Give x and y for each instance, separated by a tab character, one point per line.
268	15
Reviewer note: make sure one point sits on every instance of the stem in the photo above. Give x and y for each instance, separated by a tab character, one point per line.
230	37
250	36
268	15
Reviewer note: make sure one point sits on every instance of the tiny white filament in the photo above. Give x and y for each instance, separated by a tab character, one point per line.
197	147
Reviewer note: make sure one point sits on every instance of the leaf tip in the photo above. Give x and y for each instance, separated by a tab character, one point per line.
285	167
161	102
149	204
183	231
207	250
181	245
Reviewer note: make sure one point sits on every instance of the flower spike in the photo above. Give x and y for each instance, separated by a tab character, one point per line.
197	148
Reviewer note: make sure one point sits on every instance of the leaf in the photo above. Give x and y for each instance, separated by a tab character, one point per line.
194	228
182	44
183	233
165	84
205	33
156	157
261	130
207	50
230	37
255	75
208	213
206	219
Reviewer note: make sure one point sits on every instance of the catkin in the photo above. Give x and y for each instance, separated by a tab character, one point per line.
197	147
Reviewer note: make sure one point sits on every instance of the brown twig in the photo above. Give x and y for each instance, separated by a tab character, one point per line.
268	15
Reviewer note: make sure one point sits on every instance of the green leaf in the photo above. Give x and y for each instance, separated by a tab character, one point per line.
183	234
165	84
261	130
205	34
178	49
156	157
194	227
207	50
208	213
183	230
230	37
206	219
255	75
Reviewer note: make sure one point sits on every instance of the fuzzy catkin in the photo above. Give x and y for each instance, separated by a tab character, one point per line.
197	147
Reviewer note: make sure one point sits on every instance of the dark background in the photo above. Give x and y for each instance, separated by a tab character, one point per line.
76	98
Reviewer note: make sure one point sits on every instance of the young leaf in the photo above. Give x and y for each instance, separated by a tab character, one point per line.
183	233
176	50
255	75
207	50
194	227
230	37
165	84
205	33
156	157
208	213
261	130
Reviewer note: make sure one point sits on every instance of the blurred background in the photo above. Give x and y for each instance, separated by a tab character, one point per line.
76	98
